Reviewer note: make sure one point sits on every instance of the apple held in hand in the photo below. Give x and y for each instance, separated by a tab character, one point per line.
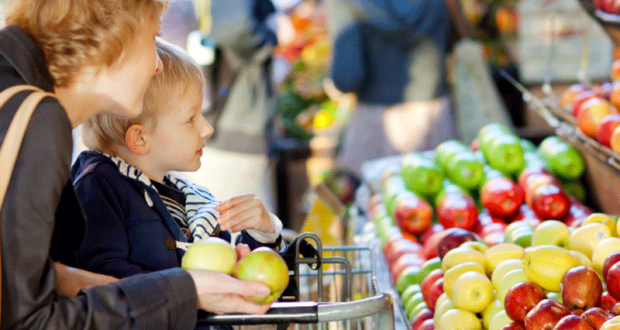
264	265
212	253
501	197
581	288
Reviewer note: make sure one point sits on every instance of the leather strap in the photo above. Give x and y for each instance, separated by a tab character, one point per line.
12	143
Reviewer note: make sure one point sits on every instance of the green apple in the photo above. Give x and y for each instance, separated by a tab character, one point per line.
520	236
585	238
447	149
409	292
528	146
551	232
576	189
511	278
499	320
472	291
392	186
416	309
503	268
407	277
465	170
421	175
514	226
564	160
428	266
504	153
459	319
546	264
264	265
212	253
413	302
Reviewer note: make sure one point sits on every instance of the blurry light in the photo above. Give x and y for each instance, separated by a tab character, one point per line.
201	48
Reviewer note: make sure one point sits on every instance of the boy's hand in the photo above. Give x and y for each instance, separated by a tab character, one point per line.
244	212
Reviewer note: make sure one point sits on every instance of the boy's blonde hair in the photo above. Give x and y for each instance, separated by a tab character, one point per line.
73	34
180	71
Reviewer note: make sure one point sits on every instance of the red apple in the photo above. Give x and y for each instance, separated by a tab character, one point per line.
427	325
430	245
592	113
606	129
581	288
582	98
513	326
427	283
610	260
607	301
572	322
596	316
404	261
613	280
576	213
501	197
412	214
435	228
457	209
394	248
453	238
420	317
569	95
434	292
529	171
549	201
615	309
521	298
545	315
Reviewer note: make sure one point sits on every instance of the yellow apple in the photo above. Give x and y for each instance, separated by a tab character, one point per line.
585	238
214	254
461	255
472	291
546	264
503	268
500	252
459	319
442	306
499	320
453	273
475	245
611	324
494	307
583	260
601	218
602	250
511	278
551	232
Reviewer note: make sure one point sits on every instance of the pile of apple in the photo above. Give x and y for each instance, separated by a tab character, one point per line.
596	109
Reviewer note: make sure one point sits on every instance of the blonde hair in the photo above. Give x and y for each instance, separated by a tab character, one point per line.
180	71
73	34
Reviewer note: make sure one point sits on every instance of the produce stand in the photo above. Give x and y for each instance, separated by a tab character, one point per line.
347	287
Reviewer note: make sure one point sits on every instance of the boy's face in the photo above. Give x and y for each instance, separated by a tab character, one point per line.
176	142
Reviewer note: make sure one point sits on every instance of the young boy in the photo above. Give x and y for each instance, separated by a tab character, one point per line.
139	211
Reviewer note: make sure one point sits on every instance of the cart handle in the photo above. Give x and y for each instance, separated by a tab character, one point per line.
312	312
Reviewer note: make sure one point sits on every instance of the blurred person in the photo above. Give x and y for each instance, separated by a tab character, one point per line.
392	55
97	56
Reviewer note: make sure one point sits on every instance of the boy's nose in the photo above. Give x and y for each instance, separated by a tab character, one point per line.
207	129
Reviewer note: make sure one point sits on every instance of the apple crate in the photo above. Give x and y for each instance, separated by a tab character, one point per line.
344	287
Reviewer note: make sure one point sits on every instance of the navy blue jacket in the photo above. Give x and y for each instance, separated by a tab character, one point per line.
125	236
389	51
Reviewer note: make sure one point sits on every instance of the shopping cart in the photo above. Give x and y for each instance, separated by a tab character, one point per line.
337	290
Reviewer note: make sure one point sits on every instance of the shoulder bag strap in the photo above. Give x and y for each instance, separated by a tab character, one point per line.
12	142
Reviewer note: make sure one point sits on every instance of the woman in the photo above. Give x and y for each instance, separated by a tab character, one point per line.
97	56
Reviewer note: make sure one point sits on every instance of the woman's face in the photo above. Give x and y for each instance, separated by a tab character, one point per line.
126	81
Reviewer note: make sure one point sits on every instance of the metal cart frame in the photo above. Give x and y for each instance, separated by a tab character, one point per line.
377	307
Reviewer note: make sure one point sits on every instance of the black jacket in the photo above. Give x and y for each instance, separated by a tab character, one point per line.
42	222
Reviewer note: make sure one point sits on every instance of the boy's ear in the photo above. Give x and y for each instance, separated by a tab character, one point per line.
136	139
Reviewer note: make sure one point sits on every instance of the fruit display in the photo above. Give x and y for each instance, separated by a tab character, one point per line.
262	264
533	257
